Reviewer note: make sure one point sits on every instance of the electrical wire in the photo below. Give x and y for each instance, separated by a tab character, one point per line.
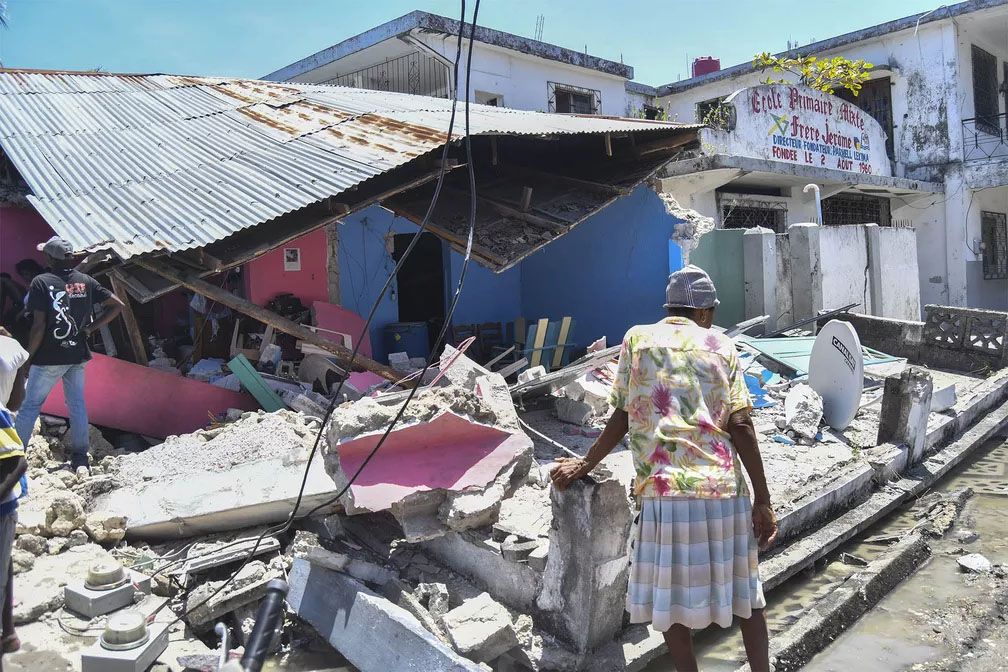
423	225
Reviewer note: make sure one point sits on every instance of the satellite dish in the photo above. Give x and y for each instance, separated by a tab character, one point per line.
836	372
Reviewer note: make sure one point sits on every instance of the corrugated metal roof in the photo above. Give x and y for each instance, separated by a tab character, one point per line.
138	163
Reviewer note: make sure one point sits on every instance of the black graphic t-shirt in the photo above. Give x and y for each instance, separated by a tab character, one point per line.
67	297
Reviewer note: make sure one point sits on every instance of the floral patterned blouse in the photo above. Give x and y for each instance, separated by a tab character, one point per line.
679	383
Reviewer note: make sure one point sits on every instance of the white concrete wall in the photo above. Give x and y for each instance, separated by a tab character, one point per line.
924	91
928	218
522	79
899	285
843	255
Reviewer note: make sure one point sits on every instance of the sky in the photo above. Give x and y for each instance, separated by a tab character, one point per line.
251	38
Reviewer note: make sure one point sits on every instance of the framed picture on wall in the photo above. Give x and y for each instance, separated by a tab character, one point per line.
292	258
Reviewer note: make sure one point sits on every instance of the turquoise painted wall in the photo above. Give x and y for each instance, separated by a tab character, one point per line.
720	254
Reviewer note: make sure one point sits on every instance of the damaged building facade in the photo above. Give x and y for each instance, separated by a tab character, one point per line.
936	93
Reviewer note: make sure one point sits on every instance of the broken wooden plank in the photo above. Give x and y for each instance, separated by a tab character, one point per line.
267	317
129	319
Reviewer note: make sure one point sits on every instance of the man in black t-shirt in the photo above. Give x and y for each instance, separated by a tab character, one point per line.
62	302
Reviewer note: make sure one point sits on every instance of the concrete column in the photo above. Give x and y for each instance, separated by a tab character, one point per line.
583	594
906	404
759	257
873	236
806	271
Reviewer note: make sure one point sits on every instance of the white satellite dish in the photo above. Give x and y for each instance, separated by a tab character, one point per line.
836	372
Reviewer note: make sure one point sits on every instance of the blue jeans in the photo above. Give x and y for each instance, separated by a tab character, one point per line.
41	380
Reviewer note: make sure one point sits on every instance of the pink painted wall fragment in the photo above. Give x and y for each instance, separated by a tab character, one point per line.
449	452
336	318
21	229
267	277
134	398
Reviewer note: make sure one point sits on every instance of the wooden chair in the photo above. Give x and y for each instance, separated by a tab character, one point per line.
490	337
461	332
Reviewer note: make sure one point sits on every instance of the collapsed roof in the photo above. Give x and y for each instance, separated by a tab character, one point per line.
215	171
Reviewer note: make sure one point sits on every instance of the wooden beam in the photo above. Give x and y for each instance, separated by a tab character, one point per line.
609	189
608	144
514	210
269	318
199	259
129	319
665	144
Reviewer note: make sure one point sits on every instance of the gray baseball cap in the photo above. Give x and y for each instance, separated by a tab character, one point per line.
56	247
690	287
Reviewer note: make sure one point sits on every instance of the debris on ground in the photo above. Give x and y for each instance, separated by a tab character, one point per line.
976	563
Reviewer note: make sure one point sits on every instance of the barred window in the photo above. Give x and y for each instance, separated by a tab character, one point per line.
748	213
856	209
994	235
569	99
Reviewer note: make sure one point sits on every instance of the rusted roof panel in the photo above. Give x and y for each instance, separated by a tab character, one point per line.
139	163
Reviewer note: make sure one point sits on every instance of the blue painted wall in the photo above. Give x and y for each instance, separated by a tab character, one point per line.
609	273
365	264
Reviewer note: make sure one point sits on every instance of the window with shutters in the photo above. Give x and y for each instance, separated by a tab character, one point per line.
994	237
985	91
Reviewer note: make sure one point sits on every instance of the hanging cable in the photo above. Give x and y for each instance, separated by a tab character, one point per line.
335	397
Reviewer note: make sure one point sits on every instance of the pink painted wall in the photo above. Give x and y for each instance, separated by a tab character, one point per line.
266	276
169	404
21	229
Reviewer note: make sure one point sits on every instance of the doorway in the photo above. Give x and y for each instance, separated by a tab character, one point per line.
421	281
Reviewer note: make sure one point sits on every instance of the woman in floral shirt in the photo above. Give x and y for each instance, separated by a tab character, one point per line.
680	395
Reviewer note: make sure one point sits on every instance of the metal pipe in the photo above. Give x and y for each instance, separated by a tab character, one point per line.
818	201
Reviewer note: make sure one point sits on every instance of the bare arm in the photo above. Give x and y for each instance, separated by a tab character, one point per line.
111	308
743	436
17	394
11	471
37	333
571	469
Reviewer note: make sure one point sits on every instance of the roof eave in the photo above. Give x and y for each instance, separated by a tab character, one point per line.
940	14
433	22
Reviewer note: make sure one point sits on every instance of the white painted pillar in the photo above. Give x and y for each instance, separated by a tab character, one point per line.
806	270
759	257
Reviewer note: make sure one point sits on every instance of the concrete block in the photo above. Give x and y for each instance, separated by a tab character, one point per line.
573	411
99	659
516	550
528	375
370	632
480	629
943	399
90	603
906	404
537	558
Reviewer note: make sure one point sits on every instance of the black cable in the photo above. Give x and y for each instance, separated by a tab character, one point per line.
335	397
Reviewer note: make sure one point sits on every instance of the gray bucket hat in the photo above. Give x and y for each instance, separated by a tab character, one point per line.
56	247
690	287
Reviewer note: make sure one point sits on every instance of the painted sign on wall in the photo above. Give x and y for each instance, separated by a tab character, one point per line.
799	125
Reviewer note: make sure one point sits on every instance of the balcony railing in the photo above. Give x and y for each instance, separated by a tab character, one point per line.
985	137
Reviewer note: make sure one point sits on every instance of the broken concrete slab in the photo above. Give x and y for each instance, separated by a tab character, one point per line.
447	453
249	474
480	507
249	585
494	391
480	629
371	632
515	550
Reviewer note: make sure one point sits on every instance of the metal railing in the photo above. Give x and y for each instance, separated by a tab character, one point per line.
413	73
985	137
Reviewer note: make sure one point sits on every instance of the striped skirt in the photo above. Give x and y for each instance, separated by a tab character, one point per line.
694	563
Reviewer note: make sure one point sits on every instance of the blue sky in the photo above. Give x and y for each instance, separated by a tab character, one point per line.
250	38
